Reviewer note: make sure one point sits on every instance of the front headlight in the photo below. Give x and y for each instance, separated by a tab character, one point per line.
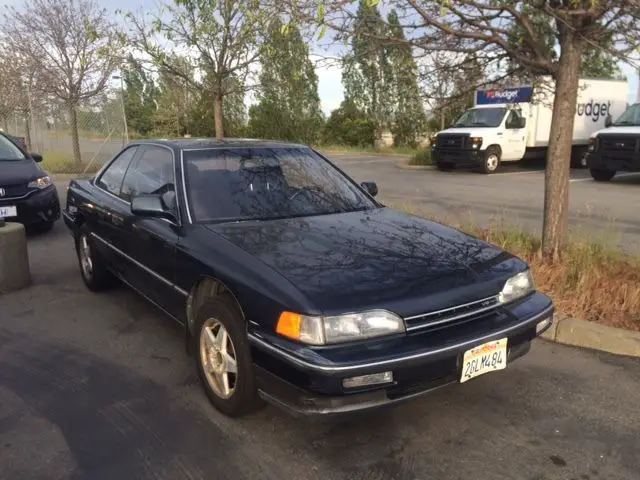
592	144
432	140
476	142
41	182
340	328
517	287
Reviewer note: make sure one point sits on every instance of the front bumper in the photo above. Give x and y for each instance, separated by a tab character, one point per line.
458	157
307	381
614	161
39	206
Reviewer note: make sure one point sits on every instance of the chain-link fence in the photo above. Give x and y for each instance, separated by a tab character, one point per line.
46	126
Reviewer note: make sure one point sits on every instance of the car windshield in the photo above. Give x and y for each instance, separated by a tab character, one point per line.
8	150
266	183
630	117
481	117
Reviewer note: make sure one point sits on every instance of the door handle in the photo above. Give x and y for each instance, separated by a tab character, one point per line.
499	133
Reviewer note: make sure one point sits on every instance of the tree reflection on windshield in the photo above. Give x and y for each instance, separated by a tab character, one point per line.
266	183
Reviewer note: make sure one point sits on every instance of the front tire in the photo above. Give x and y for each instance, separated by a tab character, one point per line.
223	357
602	175
94	273
491	161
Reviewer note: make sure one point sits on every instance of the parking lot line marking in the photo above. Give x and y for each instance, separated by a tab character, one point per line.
619	175
527	172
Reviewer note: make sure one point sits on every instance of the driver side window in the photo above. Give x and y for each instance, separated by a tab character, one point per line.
513	120
151	173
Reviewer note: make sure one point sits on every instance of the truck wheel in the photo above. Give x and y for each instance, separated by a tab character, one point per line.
491	160
602	175
444	166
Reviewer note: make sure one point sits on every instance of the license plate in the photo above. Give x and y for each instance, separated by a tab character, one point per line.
485	358
6	212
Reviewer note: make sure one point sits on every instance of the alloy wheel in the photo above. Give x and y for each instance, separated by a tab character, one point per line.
218	357
85	257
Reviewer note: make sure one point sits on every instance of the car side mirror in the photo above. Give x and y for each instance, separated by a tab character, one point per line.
150	206
36	157
608	121
370	187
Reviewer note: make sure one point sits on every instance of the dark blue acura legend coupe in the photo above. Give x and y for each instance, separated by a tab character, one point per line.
293	284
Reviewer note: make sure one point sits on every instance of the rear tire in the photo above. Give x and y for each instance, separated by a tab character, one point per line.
94	272
491	161
602	175
223	357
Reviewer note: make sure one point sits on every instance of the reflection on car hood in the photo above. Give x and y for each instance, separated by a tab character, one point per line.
378	258
17	172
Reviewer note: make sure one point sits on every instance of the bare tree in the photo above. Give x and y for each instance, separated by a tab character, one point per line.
73	47
505	34
221	37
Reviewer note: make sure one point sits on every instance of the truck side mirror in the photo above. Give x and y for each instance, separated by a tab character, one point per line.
608	121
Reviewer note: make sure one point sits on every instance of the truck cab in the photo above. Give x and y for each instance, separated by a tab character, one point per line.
617	147
483	137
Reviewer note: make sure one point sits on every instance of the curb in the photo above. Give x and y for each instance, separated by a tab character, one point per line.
580	333
404	166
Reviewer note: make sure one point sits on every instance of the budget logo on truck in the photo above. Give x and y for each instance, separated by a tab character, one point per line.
593	109
505	95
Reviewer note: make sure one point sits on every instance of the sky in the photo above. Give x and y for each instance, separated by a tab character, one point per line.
329	76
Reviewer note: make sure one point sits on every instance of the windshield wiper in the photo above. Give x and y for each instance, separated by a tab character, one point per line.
479	124
625	122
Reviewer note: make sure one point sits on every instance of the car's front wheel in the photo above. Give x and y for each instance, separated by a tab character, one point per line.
94	273
223	357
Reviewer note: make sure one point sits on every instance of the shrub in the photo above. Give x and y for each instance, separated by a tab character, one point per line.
421	157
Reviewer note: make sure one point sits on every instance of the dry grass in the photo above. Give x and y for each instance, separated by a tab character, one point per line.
591	282
60	162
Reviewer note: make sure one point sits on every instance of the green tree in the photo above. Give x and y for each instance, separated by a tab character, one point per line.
202	114
223	36
367	72
289	105
408	117
140	96
350	125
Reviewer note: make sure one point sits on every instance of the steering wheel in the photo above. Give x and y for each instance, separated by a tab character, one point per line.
306	188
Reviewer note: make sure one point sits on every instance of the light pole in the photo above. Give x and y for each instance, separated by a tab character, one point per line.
125	139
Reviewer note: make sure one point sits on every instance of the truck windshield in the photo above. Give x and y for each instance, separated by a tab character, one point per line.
631	116
481	117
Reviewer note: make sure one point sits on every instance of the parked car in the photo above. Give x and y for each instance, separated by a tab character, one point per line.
293	283
19	141
27	194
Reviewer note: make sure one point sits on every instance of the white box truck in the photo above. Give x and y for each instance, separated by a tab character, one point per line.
509	124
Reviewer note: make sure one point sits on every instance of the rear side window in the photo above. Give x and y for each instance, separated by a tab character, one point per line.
151	173
111	179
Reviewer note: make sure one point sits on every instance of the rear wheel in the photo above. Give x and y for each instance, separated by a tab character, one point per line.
602	175
94	273
491	160
223	357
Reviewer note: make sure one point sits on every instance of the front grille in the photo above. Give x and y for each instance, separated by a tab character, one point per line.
12	191
617	144
453	315
451	141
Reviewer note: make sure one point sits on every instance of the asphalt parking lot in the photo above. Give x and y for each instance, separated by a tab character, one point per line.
603	212
98	386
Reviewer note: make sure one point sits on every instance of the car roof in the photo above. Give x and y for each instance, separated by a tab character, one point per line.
204	143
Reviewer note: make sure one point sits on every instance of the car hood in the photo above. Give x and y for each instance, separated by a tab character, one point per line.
18	172
471	131
379	258
622	130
